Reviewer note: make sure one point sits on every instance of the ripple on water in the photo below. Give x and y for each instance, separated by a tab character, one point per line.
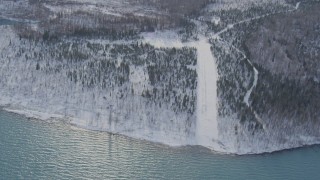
33	149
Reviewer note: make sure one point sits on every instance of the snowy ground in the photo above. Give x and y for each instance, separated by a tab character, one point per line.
207	116
206	127
241	4
37	94
109	7
207	132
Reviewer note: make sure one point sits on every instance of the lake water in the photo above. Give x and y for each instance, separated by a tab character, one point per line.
34	149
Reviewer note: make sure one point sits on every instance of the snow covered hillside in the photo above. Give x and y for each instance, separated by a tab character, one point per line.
132	89
221	74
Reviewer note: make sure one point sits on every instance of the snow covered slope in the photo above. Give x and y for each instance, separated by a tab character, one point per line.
102	86
194	85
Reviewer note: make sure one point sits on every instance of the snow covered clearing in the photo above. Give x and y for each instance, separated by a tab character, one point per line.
207	132
241	4
207	116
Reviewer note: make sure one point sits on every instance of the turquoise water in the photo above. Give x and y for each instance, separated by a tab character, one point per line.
34	149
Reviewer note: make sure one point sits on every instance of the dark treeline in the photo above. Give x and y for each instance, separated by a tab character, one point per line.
168	14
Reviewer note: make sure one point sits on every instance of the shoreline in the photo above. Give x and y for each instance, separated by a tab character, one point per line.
60	118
